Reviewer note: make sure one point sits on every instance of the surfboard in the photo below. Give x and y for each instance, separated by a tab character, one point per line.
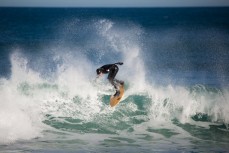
114	100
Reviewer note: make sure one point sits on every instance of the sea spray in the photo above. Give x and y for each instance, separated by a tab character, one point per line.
20	114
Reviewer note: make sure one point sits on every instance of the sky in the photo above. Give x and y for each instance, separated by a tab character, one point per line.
113	3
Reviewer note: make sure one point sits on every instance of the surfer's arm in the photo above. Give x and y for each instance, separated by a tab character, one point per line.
119	63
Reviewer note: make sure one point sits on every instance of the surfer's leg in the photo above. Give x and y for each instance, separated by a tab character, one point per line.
119	81
113	71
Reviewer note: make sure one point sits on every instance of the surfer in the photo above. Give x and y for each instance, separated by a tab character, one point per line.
112	69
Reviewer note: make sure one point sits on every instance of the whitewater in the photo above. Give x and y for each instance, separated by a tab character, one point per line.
52	101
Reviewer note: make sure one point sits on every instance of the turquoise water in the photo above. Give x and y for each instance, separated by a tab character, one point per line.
175	71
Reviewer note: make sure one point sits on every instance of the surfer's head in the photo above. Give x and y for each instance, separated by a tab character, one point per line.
99	71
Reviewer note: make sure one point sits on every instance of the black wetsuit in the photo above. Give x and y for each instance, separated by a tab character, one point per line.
112	69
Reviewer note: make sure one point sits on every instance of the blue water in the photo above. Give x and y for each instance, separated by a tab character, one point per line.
176	73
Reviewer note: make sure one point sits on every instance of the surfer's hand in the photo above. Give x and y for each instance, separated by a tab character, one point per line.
120	63
100	74
97	76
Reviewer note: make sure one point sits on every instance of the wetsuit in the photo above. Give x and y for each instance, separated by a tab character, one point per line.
112	69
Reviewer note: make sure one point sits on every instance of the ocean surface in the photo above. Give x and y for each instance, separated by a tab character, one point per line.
176	73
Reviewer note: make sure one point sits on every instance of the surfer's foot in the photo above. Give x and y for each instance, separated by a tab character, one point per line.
121	83
117	93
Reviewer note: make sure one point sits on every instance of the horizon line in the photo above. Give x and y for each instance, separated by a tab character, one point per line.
114	6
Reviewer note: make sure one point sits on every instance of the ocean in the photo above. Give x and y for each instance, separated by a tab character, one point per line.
176	74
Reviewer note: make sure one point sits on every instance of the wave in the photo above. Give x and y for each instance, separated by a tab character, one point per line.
57	89
32	104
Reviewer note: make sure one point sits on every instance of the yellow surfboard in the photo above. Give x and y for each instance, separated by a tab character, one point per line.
114	100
